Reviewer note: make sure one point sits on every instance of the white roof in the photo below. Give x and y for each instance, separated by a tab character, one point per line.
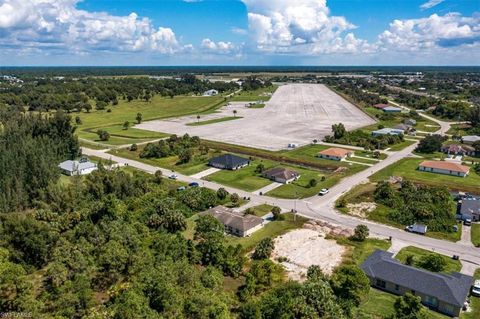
471	138
388	130
73	166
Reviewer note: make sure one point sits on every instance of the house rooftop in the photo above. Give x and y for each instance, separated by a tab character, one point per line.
229	217
229	160
381	105
449	166
72	166
335	151
470	207
281	172
471	138
451	288
388	130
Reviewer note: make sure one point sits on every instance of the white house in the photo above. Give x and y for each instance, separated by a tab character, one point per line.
388	131
211	92
446	168
470	139
81	167
281	175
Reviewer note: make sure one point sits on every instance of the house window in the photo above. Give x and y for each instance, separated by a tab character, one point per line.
381	283
397	287
431	301
448	309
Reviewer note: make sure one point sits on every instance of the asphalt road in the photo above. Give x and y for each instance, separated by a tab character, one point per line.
322	207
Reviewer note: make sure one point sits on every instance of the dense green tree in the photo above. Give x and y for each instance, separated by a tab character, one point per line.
138	118
433	262
430	144
222	193
264	249
361	233
103	135
350	284
409	307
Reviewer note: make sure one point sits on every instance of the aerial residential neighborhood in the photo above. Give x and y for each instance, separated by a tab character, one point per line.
242	159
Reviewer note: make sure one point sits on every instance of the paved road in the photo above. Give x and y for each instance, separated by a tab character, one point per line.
322	207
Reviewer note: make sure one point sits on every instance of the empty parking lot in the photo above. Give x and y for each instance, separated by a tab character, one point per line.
296	113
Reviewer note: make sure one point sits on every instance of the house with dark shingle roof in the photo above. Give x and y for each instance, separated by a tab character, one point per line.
470	209
228	161
281	175
445	293
235	223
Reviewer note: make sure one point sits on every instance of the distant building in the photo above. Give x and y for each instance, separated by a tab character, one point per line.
228	161
443	167
235	223
335	154
410	122
445	293
391	109
469	209
388	131
281	175
210	93
81	167
381	106
470	139
406	128
454	149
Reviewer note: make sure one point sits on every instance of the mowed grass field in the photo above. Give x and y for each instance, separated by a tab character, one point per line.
407	168
418	253
262	94
158	107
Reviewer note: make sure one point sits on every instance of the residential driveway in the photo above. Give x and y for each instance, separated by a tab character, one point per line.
466	238
296	113
206	172
267	188
396	246
468	267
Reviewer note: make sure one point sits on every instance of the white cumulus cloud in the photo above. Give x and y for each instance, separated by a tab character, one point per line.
219	47
59	25
300	26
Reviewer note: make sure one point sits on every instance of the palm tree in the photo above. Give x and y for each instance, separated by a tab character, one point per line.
234	113
198	118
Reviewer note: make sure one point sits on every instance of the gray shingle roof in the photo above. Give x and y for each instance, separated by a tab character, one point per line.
470	207
73	166
229	160
233	219
451	288
280	172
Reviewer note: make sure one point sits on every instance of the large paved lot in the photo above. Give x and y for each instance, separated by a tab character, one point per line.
296	113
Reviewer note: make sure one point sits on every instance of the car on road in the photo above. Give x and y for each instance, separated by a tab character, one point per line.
181	188
417	228
193	184
467	222
323	191
476	288
173	176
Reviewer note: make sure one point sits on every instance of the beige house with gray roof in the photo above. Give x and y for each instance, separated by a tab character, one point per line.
235	223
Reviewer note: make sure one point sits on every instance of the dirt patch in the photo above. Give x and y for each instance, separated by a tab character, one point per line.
361	209
301	248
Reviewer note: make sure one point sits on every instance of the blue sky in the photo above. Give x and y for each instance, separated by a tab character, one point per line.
246	32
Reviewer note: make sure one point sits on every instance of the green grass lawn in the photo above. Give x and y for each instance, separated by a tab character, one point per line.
379	305
475	234
256	95
407	168
159	107
222	119
452	265
272	229
475	303
245	178
196	165
262	210
400	146
359	251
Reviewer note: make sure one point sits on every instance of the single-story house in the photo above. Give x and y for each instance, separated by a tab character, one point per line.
335	153
281	175
443	167
228	161
211	92
81	167
236	223
470	139
454	149
444	293
381	106
469	208
391	109
388	131
406	128
410	122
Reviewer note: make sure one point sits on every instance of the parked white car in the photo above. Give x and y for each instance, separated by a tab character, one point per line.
173	176
476	288
323	191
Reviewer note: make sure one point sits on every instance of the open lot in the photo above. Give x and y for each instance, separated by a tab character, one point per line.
296	113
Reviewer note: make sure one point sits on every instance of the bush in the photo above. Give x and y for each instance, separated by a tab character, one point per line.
103	135
433	262
222	193
264	249
361	233
277	213
133	147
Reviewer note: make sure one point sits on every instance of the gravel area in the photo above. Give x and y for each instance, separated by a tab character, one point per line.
296	113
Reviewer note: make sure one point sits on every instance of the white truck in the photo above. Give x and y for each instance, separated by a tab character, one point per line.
476	288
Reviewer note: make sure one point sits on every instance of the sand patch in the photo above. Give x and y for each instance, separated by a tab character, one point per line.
302	248
361	209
